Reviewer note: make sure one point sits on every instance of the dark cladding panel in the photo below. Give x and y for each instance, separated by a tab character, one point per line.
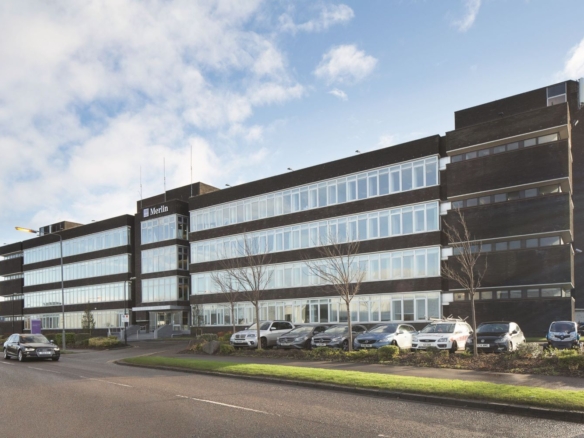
11	266
509	106
523	166
538	119
11	287
13	247
9	308
533	316
516	218
548	265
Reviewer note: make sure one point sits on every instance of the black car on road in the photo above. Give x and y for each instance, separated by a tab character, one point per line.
27	346
301	336
337	336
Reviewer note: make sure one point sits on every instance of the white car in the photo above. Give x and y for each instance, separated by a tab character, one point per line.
270	331
444	335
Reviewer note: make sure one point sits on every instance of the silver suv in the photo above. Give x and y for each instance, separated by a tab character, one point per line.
270	331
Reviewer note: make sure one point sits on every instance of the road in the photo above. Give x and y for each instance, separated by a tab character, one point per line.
85	395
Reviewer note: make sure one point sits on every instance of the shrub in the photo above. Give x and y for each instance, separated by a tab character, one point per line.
572	362
388	352
208	337
360	354
225	337
567	353
528	350
103	342
226	349
323	353
58	338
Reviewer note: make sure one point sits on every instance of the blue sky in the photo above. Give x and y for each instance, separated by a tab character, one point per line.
90	91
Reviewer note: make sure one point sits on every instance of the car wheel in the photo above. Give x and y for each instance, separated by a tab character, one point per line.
21	357
55	359
454	348
6	357
264	343
345	345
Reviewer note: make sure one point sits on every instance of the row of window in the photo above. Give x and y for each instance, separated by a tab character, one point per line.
79	245
73	271
505	147
11	276
385	223
393	265
165	289
398	178
103	319
163	228
14	255
14	297
505	294
364	309
509	196
167	258
510	245
98	293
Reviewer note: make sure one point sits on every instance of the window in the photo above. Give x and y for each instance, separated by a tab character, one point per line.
502	294
556	94
501	246
471	202
501	197
471	155
547	138
484	200
531	243
530	193
515	244
549	241
532	293
515	293
529	142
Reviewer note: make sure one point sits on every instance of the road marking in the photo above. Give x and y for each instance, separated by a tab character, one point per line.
106	381
226	405
43	369
6	363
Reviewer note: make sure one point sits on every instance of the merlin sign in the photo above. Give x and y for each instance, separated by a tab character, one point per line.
154	210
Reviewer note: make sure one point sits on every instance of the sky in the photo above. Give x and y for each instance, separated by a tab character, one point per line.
96	96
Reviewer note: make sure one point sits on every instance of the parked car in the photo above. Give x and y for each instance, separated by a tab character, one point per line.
563	334
381	335
337	336
27	346
497	337
270	331
448	334
301	336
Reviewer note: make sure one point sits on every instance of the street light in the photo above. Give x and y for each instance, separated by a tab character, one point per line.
126	309
28	230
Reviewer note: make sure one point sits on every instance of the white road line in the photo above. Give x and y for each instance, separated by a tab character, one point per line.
43	369
106	381
226	405
6	363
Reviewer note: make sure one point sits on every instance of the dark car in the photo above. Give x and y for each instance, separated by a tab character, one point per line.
25	347
563	334
301	336
497	337
386	334
337	336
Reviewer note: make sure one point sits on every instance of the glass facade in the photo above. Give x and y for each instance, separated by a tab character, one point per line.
80	245
73	271
393	179
164	228
103	319
410	219
167	258
14	255
98	293
409	307
393	265
165	289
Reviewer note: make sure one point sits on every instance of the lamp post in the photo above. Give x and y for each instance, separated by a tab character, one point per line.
126	309
28	230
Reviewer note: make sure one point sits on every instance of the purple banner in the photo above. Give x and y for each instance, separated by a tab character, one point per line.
35	326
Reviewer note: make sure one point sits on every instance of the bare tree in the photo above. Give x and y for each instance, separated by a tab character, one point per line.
339	267
248	273
228	291
466	271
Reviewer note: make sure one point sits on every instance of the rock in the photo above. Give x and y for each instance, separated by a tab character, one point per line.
211	347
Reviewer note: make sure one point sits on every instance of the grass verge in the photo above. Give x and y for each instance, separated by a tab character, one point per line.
483	391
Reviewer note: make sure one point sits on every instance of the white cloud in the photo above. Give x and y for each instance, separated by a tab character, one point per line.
329	16
471	10
339	93
92	90
345	64
574	65
386	140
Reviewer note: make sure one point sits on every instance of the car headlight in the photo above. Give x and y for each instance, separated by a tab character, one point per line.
337	339
57	349
442	340
501	340
251	336
301	338
29	349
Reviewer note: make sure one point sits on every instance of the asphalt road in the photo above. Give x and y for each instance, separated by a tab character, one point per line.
85	395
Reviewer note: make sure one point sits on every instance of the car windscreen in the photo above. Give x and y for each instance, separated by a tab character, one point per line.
438	328
263	326
301	331
337	330
390	328
493	328
33	339
563	327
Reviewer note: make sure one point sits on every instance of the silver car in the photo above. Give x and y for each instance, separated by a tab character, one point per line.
270	331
